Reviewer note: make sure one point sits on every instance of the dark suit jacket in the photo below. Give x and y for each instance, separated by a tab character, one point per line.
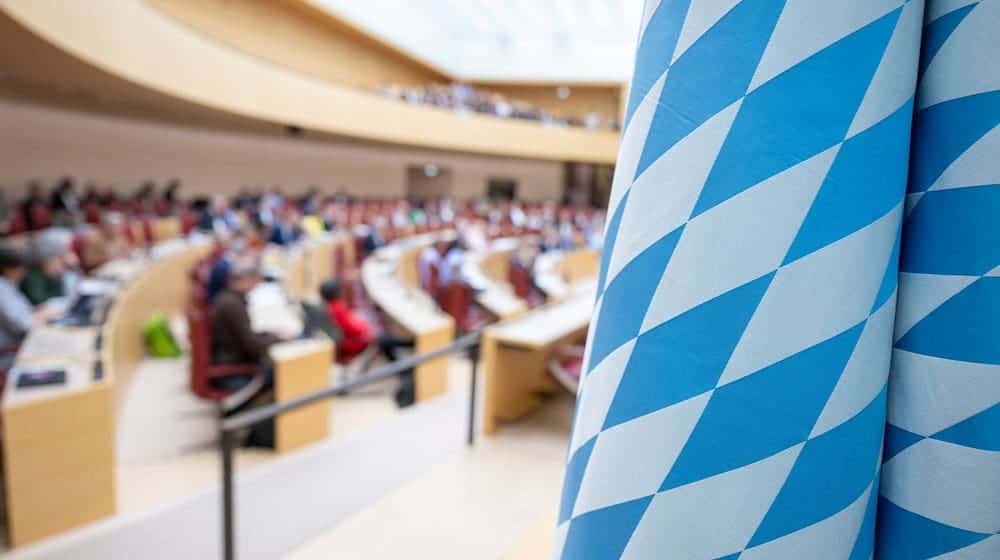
233	338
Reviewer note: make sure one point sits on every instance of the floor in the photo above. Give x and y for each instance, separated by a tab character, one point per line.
496	500
184	459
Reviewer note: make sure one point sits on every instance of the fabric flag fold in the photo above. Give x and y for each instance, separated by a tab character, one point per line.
940	493
733	402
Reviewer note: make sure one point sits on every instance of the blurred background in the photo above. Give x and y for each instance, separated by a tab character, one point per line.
299	278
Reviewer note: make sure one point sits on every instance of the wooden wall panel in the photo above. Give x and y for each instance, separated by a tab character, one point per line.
125	152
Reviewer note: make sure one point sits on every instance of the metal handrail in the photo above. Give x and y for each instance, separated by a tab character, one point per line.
249	418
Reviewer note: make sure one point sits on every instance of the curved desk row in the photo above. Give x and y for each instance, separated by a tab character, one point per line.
515	352
488	272
391	279
560	274
59	441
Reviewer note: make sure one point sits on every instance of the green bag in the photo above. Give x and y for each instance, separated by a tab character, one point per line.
160	342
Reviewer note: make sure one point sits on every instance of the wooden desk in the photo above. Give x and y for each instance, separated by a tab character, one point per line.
580	264
301	367
488	273
59	453
562	274
411	309
514	356
320	262
58	442
165	229
289	266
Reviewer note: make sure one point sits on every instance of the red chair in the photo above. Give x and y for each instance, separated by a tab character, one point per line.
456	300
162	208
77	246
203	372
566	365
189	220
17	225
92	213
359	250
520	281
147	231
41	216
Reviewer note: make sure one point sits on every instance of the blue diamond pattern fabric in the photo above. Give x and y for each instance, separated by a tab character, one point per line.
940	488
740	347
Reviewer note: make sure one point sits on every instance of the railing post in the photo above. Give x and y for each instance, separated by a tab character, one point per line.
226	447
474	358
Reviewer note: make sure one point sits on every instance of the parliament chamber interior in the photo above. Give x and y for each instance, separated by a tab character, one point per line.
577	279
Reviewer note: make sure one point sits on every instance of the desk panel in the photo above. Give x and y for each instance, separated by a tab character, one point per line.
515	356
432	377
59	463
300	368
59	444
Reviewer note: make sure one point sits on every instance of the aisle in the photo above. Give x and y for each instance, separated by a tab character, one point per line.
480	503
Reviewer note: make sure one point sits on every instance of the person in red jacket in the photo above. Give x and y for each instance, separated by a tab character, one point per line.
359	334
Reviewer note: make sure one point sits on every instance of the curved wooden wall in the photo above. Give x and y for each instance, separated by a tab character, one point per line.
132	40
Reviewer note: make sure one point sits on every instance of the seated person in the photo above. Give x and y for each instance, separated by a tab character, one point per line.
451	263
431	259
233	338
359	334
217	217
16	315
52	273
284	230
375	237
105	243
218	275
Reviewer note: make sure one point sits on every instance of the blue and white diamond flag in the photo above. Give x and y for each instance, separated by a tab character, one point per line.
941	483
734	396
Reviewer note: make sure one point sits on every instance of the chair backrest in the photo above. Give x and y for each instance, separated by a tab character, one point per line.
189	220
520	280
455	300
433	284
17	226
200	337
77	246
92	213
147	230
41	216
359	249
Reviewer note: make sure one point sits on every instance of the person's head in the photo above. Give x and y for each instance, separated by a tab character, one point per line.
219	204
51	250
65	185
172	187
329	290
12	264
244	274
